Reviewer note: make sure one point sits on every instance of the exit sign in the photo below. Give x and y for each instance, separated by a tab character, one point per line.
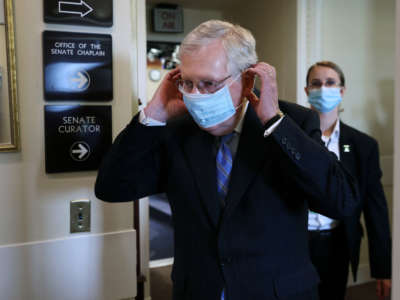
166	19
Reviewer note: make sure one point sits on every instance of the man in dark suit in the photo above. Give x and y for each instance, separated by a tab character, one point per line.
336	243
237	174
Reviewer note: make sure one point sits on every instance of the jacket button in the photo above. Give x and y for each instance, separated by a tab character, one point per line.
225	261
298	156
284	141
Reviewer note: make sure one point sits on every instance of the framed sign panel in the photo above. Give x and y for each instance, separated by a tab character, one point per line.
77	66
79	12
168	18
76	137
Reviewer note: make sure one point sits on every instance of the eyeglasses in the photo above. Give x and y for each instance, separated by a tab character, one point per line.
203	86
316	84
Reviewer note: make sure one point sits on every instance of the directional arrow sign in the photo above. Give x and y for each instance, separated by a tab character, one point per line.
82	80
78	12
76	137
77	66
74	8
80	151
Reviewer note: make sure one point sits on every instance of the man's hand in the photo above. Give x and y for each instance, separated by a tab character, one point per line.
383	287
167	100
267	105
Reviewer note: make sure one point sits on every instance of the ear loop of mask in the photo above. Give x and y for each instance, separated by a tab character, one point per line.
236	78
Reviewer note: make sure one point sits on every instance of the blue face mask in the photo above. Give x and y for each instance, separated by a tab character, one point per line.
209	110
325	99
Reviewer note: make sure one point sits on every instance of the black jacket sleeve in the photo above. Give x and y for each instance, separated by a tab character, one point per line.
329	188
377	219
117	176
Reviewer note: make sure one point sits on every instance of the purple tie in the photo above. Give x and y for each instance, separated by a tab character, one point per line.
224	165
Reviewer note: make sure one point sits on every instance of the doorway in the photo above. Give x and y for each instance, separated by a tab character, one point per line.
291	56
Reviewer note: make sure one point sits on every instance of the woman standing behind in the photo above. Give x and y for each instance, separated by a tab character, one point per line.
336	243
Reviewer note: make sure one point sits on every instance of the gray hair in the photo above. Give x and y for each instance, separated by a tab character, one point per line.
238	42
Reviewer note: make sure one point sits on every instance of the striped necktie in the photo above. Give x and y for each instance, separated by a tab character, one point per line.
224	165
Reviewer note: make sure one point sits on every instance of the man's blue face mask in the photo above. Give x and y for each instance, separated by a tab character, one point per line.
325	99
209	110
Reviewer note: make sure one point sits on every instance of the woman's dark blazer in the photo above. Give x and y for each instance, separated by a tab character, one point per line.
359	153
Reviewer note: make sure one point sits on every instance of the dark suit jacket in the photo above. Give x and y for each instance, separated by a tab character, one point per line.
362	161
257	248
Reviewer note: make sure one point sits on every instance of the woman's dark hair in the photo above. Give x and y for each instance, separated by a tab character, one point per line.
327	64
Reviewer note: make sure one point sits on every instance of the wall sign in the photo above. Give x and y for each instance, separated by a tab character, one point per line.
168	18
77	66
79	12
76	137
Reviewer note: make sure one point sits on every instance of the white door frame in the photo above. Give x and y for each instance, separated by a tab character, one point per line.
396	181
308	23
139	102
309	44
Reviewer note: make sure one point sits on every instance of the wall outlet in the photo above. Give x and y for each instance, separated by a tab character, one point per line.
80	215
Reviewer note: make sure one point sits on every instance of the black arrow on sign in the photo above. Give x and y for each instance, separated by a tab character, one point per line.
76	8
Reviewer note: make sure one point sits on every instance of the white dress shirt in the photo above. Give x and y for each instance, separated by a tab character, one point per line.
315	220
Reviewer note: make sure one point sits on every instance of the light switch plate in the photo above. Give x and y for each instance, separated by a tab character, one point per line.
80	215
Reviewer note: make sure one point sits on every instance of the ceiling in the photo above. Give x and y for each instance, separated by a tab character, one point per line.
199	4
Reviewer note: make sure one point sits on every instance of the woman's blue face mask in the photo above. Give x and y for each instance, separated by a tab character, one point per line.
325	99
209	110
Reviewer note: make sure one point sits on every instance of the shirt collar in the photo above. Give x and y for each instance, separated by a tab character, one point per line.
335	133
239	126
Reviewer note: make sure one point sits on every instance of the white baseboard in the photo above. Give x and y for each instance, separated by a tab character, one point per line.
161	262
81	267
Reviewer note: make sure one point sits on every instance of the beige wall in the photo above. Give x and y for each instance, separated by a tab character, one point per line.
41	255
273	24
35	205
359	36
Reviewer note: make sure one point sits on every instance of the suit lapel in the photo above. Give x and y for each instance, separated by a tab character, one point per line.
250	158
199	152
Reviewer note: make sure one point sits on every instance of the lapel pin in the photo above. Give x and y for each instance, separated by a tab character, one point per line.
346	148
